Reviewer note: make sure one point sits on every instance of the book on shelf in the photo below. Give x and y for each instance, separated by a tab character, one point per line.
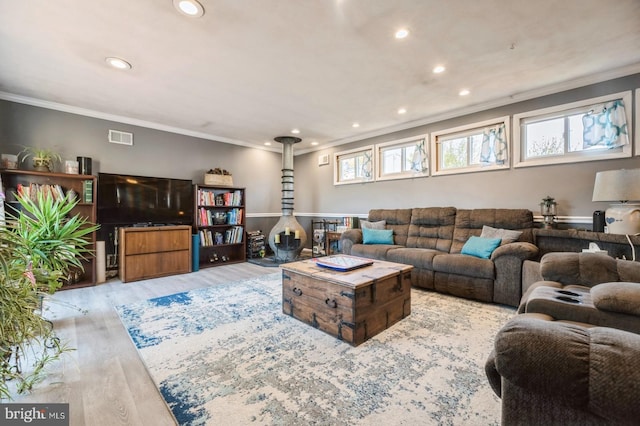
32	190
232	235
211	198
87	191
234	216
233	198
206	198
206	217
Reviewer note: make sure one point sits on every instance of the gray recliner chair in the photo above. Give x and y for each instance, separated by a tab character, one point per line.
563	373
587	288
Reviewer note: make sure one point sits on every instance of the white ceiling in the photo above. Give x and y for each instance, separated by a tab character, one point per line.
250	70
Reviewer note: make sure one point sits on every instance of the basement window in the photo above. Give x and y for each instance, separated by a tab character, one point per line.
474	147
588	130
353	166
402	159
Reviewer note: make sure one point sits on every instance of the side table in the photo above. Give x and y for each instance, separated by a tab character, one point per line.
330	236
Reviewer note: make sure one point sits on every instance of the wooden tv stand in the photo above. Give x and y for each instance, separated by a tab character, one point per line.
154	251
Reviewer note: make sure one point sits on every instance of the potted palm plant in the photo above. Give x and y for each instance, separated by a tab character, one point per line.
44	159
38	246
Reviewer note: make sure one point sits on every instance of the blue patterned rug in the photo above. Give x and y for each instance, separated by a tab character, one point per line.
228	355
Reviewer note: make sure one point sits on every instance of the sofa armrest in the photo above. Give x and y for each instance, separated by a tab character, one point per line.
620	297
521	250
526	294
596	369
350	237
508	260
490	369
530	274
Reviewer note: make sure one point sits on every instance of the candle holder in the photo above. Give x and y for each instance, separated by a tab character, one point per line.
288	243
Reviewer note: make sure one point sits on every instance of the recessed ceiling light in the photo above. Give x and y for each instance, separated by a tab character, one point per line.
402	110
402	33
314	143
355	125
438	69
190	8
267	143
464	92
121	64
295	131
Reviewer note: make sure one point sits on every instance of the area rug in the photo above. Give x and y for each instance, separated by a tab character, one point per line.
228	355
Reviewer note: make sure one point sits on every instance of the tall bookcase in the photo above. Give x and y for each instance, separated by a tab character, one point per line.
219	221
60	183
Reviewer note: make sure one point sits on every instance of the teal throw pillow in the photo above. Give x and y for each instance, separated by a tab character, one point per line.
377	236
480	247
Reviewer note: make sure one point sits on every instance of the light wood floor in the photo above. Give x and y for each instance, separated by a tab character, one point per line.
104	381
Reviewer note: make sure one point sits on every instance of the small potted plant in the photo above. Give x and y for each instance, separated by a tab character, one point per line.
44	159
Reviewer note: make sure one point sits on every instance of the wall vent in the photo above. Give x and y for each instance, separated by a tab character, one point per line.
122	138
323	160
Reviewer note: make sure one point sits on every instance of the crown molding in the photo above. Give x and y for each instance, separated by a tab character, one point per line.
495	103
513	98
125	120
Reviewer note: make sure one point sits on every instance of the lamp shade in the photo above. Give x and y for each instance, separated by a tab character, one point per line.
617	185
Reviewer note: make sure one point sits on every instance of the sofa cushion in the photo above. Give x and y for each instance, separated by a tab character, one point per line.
506	235
628	270
381	224
377	236
480	247
622	297
372	251
432	228
397	220
470	222
462	264
419	258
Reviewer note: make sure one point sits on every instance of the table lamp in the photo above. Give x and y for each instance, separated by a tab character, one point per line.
619	187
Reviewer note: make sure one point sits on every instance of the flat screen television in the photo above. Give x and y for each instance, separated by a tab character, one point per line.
127	199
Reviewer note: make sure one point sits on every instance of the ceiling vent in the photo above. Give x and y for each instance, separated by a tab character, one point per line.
122	138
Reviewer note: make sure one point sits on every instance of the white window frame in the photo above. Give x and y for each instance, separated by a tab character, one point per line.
637	142
400	143
435	152
351	152
574	157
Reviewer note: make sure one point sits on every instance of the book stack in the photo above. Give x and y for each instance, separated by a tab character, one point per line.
206	198
205	217
232	198
232	235
234	216
32	190
210	198
255	244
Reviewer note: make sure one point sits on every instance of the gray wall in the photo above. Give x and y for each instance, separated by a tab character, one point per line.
158	153
154	152
571	185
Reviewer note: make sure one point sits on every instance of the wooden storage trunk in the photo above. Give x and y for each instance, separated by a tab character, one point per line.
352	306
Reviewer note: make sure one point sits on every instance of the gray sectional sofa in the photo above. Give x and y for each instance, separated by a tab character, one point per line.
431	239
